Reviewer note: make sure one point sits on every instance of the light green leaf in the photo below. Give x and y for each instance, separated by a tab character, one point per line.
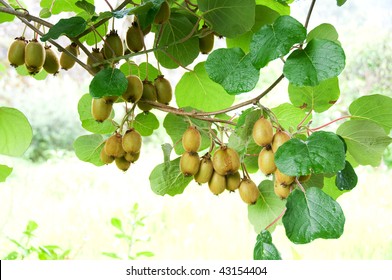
6	17
30	227
90	39
196	89
264	248
15	132
71	27
116	223
281	8
22	70
289	116
5	171
129	68
324	31
330	187
251	161
108	82
146	123
45	13
88	7
88	148
62	6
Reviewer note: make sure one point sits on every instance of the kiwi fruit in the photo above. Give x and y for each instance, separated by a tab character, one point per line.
189	163
191	139
134	38
67	61
281	191
98	58
132	141
233	181
206	43
266	161
217	183
283	178
262	132
149	93
279	139
164	90
205	170
110	99
16	52
248	191
134	90
100	109
132	157
105	158
122	163
113	146
51	64
163	14
146	30
226	161
113	46
34	56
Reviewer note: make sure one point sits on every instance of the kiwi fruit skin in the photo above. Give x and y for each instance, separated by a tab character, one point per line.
266	161
163	14
280	137
135	38
132	157
233	181
283	179
99	57
217	183
206	43
122	163
134	90
16	52
191	139
249	192
150	94
105	158
189	164
34	56
110	99
281	191
113	46
113	146
262	132
66	61
51	64
205	171
132	141
226	161
164	90
100	110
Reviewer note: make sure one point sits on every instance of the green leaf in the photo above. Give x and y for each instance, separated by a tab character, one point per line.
312	215
281	8
15	132
366	141
346	179
318	98
232	69
22	70
130	68
319	61
91	38
13	255
146	123
88	121
229	18
88	148
88	7
121	13
166	178
31	227
71	27
61	6
166	149
288	115
276	40
6	17
267	208
45	13
331	189
264	248
5	171
108	82
176	29
322	152
251	162
196	89
145	254
376	108
116	223
341	2
324	31
112	255
148	11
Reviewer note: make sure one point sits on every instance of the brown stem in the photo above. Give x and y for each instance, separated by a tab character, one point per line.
309	13
24	14
329	123
277	219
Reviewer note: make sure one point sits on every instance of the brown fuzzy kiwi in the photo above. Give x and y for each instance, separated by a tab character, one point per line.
134	90
146	30
132	141
122	163
233	181
189	163
51	64
132	157
262	132
191	139
113	146
100	109
281	191
248	191
113	46
164	90
34	56
217	183
149	93
67	61
280	137
205	170
96	53
266	161
283	178
16	52
135	38
110	99
226	161
163	14
105	158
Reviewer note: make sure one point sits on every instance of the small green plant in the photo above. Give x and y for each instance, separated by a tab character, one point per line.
27	250
128	236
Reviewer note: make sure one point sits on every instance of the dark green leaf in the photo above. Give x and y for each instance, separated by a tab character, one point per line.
346	179
319	61
341	2
276	40
232	69
121	13
108	82
5	171
324	31
116	223
70	26
312	215
289	116
88	148
331	189
322	152
88	7
264	248
146	123
148	11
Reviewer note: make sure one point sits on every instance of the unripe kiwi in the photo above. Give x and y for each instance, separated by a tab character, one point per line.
262	132
132	157
113	146
191	139
99	57
34	56
304	178
283	178
164	90
113	46
146	30
132	141
67	61
16	52
149	93
226	161
110	99
134	90
51	64
134	38
100	109
189	163
248	191
122	163
279	139
206	43
233	181
105	158
281	191
205	170
266	161
163	14
217	183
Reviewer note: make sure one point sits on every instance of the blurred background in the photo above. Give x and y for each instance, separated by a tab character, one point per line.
73	202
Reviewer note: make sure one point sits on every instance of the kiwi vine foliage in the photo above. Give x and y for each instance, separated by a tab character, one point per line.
257	32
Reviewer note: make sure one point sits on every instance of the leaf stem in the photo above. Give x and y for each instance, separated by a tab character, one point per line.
329	123
277	219
309	13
